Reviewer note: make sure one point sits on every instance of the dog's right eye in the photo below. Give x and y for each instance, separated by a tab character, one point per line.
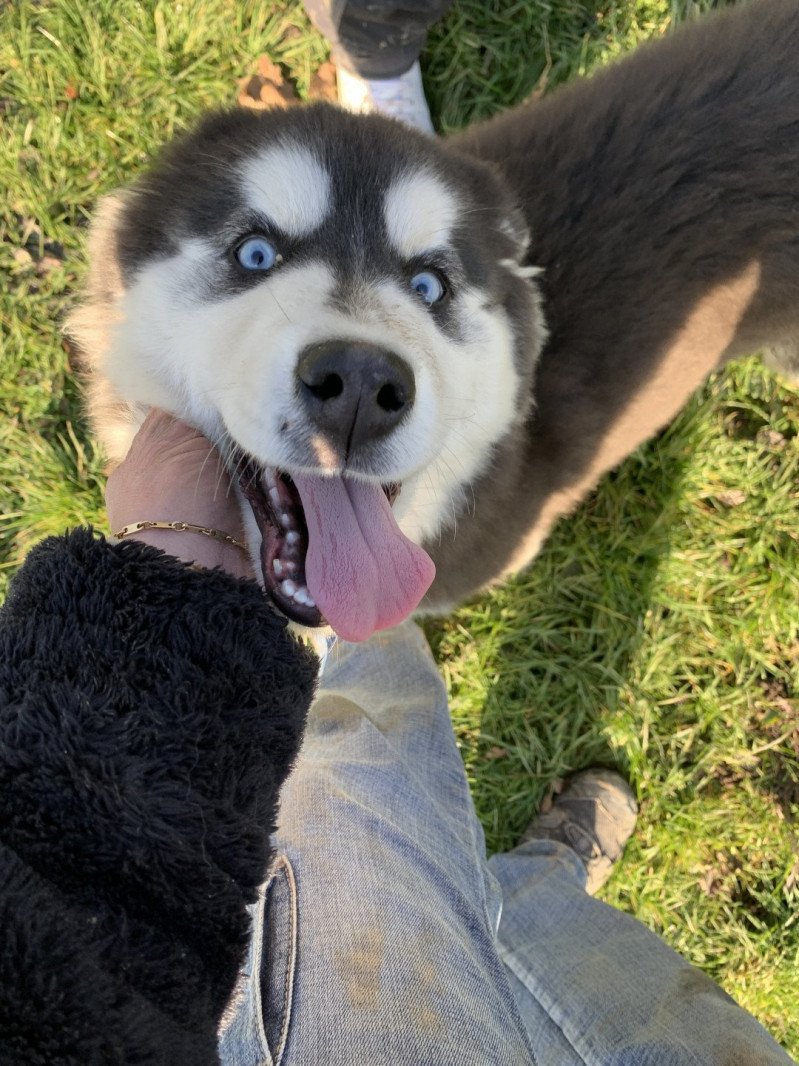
256	253
430	286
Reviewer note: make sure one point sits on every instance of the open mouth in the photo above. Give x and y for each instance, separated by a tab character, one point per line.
332	553
279	514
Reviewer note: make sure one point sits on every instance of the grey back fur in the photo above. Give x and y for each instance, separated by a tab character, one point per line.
662	196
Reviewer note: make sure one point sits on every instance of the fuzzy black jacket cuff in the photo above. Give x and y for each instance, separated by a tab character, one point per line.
149	714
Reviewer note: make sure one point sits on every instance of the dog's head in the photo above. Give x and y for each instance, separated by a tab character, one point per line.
337	298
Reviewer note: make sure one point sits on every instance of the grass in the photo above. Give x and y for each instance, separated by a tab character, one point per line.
659	628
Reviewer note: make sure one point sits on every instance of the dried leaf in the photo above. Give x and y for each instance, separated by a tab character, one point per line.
47	263
771	438
708	882
266	88
323	84
23	258
269	71
731	497
792	880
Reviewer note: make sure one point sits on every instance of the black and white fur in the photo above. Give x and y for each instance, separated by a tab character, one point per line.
604	249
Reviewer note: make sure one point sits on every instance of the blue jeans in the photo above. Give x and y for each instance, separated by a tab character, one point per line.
383	937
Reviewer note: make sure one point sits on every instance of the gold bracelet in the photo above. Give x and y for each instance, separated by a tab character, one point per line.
180	527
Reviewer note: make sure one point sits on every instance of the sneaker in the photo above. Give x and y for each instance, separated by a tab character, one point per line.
401	98
594	814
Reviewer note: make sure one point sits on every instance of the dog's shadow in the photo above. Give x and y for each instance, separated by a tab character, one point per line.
543	672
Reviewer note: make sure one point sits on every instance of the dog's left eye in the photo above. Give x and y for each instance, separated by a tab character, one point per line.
256	253
429	285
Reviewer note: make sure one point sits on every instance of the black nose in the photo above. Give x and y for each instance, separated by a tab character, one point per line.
354	392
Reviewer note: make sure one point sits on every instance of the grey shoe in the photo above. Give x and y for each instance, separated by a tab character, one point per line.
594	814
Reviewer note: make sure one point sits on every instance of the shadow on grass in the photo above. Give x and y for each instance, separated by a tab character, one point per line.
657	630
542	663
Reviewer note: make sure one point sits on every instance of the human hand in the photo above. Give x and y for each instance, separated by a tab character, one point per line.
172	473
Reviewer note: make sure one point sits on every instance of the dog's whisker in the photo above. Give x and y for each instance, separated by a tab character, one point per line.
282	309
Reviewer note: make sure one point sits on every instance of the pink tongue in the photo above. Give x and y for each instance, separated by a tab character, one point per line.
363	572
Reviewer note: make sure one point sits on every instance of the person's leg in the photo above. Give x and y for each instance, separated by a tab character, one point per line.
396	961
378	941
376	46
614	990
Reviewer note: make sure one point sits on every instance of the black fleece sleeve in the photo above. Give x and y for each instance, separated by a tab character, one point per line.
149	714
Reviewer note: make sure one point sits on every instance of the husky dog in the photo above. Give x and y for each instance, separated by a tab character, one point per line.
399	341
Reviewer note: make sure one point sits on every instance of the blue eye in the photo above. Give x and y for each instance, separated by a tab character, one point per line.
256	253
429	286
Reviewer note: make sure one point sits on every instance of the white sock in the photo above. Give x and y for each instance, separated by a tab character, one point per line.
402	97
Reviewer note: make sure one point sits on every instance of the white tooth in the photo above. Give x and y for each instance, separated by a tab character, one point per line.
292	537
289	587
299	596
285	521
274	496
277	566
310	601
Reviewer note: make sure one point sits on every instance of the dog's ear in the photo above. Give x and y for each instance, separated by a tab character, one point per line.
90	329
491	191
88	326
105	281
514	226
